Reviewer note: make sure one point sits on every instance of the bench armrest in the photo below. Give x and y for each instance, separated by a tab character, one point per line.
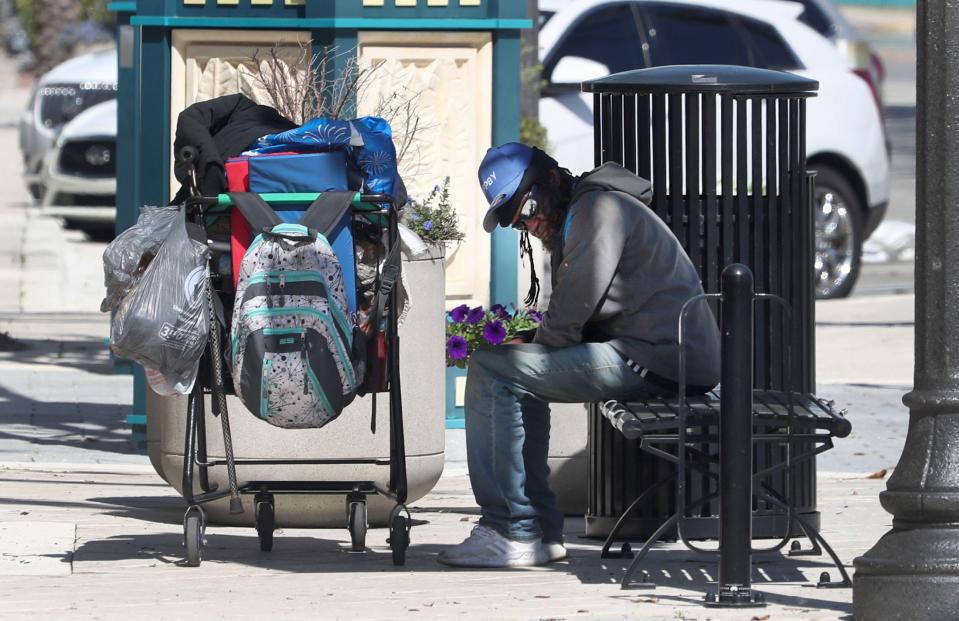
622	419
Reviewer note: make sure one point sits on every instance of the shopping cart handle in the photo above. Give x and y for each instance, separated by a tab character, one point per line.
281	198
187	154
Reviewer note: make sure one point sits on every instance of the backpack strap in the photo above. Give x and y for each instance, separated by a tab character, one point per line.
327	211
257	211
388	277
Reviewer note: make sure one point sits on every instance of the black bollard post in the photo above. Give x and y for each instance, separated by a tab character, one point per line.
735	443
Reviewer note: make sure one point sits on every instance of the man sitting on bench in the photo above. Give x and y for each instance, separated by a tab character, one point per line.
620	279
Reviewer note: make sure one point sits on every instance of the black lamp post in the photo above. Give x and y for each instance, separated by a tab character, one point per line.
912	572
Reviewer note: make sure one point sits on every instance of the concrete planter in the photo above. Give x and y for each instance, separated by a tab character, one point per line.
422	370
569	426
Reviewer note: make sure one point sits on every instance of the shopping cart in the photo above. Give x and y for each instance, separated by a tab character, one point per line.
372	209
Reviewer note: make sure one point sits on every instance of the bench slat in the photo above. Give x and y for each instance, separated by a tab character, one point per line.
771	408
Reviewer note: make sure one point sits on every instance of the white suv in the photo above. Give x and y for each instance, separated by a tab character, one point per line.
68	140
846	144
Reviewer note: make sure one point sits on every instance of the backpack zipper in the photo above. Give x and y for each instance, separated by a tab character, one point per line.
304	358
265	387
343	341
291	275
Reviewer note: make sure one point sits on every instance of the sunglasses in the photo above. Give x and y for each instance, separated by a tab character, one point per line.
528	209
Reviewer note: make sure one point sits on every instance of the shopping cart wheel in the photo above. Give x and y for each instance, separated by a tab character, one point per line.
193	527
357	525
399	539
265	521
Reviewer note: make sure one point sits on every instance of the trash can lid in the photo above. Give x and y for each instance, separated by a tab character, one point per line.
702	79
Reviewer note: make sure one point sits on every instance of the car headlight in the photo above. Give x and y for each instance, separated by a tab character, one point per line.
98	155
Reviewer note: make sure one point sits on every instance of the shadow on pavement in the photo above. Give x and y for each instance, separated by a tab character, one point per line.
296	554
155	509
299	554
91	355
668	567
29	423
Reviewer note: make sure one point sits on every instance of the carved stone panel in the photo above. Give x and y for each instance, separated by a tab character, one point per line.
447	77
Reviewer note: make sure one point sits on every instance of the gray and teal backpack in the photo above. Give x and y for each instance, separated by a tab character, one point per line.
296	355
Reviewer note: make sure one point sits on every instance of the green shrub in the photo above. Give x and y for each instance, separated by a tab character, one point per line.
532	132
436	224
95	10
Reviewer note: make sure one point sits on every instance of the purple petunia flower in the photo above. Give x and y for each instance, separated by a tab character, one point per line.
499	310
494	333
436	189
459	313
536	316
428	225
456	347
415	217
475	315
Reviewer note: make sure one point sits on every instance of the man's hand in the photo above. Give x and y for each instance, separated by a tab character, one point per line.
523	336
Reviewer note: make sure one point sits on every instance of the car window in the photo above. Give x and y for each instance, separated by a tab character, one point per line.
60	103
607	35
680	35
774	53
816	18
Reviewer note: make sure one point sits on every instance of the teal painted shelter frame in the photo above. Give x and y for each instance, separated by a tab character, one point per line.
145	32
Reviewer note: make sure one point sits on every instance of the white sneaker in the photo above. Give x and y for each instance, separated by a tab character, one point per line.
487	548
555	552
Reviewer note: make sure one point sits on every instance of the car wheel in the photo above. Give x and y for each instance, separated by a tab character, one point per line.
838	235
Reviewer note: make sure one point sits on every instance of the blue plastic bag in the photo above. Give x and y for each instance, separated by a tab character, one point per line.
369	140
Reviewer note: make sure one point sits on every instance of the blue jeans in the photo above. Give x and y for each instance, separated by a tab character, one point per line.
508	391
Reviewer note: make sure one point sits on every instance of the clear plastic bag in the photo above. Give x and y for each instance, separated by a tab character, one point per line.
162	320
126	257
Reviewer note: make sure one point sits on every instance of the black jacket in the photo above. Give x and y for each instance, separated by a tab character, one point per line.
623	278
219	129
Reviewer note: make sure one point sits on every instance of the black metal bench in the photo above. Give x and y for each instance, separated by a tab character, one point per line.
725	150
788	427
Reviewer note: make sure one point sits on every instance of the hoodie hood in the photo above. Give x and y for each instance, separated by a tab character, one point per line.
623	279
612	176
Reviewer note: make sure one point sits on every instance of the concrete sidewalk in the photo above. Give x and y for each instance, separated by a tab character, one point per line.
104	542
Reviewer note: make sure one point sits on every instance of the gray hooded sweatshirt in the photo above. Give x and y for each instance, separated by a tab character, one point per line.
621	276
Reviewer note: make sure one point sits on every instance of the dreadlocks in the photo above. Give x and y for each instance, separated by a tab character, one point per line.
556	206
526	250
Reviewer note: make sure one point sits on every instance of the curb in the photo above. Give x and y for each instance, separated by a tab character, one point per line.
77	468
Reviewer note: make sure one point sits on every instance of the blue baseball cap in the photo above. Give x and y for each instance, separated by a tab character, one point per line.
500	175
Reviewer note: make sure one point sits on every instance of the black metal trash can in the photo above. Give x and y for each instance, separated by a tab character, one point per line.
725	150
